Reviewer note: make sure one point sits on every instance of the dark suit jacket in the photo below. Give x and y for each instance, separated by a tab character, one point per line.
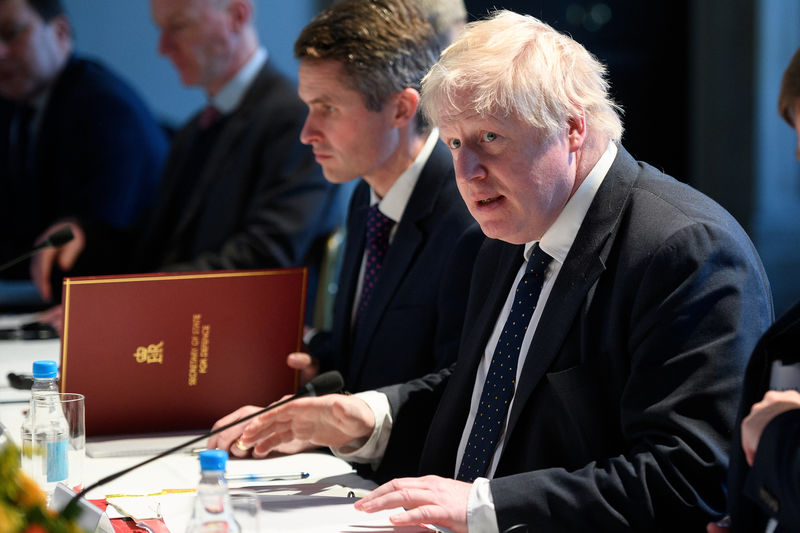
258	201
772	487
413	321
624	409
97	157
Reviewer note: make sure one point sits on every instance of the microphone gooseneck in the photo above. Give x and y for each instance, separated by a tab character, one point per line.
57	238
326	383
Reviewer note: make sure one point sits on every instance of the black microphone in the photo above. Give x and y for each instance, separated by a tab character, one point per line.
58	238
326	383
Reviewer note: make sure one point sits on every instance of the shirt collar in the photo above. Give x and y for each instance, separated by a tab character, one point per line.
558	238
231	94
394	203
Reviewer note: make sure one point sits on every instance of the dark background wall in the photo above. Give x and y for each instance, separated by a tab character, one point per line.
698	80
647	65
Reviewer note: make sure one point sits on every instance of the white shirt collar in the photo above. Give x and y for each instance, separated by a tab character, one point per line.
394	203
558	238
231	94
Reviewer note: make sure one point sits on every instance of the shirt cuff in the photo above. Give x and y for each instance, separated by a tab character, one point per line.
308	334
370	451
480	508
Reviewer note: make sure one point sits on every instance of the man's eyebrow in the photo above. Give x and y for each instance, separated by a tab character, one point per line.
323	99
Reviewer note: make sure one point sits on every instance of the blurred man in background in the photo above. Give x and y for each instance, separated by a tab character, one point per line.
77	146
239	189
448	17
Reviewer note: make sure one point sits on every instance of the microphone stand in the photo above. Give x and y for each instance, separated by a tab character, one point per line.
329	382
55	239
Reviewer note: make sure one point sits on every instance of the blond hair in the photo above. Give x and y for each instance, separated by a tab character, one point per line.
513	64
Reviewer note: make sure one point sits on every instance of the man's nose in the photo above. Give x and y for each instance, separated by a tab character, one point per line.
309	133
468	165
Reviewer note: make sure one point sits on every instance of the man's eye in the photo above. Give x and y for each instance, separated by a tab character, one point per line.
454	143
488	136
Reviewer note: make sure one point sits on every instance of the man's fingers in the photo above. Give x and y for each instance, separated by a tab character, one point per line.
408	498
749	456
426	500
307	365
396	493
427	514
226	440
298	360
237	449
41	267
68	254
266	445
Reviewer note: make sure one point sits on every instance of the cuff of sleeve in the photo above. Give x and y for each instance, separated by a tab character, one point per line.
370	451
480	508
308	335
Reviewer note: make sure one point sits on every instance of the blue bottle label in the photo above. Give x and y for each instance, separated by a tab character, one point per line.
57	466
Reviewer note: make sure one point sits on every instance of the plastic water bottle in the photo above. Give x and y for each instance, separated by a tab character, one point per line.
213	512
45	380
46	463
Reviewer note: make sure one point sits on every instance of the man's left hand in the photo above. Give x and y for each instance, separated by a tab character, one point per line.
427	500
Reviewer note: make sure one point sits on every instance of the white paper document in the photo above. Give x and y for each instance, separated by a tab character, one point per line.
321	514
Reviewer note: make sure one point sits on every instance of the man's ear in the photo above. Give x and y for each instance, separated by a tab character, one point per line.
406	103
240	13
576	132
62	30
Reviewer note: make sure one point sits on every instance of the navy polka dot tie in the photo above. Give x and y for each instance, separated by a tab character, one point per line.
498	389
377	242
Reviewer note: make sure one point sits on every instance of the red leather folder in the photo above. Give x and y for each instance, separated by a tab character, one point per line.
175	352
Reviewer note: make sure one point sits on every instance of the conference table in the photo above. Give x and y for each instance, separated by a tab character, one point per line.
322	502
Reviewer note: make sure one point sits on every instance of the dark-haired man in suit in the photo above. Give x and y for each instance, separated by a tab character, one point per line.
611	313
76	144
401	298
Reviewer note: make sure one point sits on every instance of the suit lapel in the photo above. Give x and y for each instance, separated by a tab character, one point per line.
585	262
488	293
348	278
491	299
409	237
236	125
178	154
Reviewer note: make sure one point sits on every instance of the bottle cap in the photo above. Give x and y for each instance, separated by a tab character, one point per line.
45	369
213	459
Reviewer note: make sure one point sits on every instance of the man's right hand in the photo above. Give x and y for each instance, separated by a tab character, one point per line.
226	440
307	365
331	420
